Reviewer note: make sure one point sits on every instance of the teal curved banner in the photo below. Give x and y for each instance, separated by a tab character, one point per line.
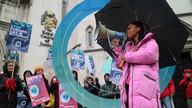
60	62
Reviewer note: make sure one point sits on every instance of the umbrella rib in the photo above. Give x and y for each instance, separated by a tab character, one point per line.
136	15
117	15
156	26
168	49
153	10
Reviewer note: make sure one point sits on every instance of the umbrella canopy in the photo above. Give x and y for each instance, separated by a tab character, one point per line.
168	31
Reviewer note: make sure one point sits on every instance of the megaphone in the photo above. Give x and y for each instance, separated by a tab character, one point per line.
101	32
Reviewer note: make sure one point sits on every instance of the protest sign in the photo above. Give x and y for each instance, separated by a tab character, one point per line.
12	56
77	59
49	56
65	101
18	36
18	39
37	89
90	63
116	73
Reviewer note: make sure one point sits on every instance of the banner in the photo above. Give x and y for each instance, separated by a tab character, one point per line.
37	89
107	66
49	72
18	36
49	56
65	101
12	57
90	63
116	73
22	100
77	59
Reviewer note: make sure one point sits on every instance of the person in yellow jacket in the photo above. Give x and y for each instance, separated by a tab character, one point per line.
51	101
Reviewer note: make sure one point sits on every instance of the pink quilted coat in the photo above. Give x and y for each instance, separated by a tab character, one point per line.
142	66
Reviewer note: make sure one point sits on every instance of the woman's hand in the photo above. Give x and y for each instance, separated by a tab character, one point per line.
123	56
54	80
172	94
115	43
42	105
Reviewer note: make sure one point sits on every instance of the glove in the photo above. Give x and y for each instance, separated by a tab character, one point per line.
188	79
96	80
10	84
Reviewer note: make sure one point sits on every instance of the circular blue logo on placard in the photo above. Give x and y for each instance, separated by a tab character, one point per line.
23	102
118	76
34	90
78	63
18	44
64	97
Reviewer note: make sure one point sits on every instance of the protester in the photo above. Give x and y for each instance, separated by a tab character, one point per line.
139	82
54	84
51	101
165	96
108	90
39	70
22	99
187	84
7	83
91	85
75	75
27	73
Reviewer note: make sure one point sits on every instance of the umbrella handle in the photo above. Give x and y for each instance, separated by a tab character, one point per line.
122	62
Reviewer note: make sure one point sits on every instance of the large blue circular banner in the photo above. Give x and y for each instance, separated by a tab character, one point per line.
59	57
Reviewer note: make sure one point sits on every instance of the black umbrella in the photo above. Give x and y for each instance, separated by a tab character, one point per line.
168	31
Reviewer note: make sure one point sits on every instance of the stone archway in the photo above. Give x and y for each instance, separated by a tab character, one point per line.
3	53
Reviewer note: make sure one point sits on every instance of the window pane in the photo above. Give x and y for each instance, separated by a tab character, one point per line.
90	38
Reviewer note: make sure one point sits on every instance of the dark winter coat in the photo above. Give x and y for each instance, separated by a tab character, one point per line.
25	91
4	101
108	89
92	88
188	91
76	78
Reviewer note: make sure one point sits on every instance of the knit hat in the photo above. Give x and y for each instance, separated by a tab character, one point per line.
38	67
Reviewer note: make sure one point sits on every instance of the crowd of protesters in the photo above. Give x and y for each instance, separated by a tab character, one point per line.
91	84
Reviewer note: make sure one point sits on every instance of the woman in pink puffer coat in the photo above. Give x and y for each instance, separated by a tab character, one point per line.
139	83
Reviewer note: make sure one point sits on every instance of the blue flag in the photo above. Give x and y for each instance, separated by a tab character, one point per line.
18	36
49	56
116	73
90	63
77	59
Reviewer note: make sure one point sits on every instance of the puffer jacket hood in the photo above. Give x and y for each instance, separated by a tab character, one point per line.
189	70
25	73
5	71
86	84
183	83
